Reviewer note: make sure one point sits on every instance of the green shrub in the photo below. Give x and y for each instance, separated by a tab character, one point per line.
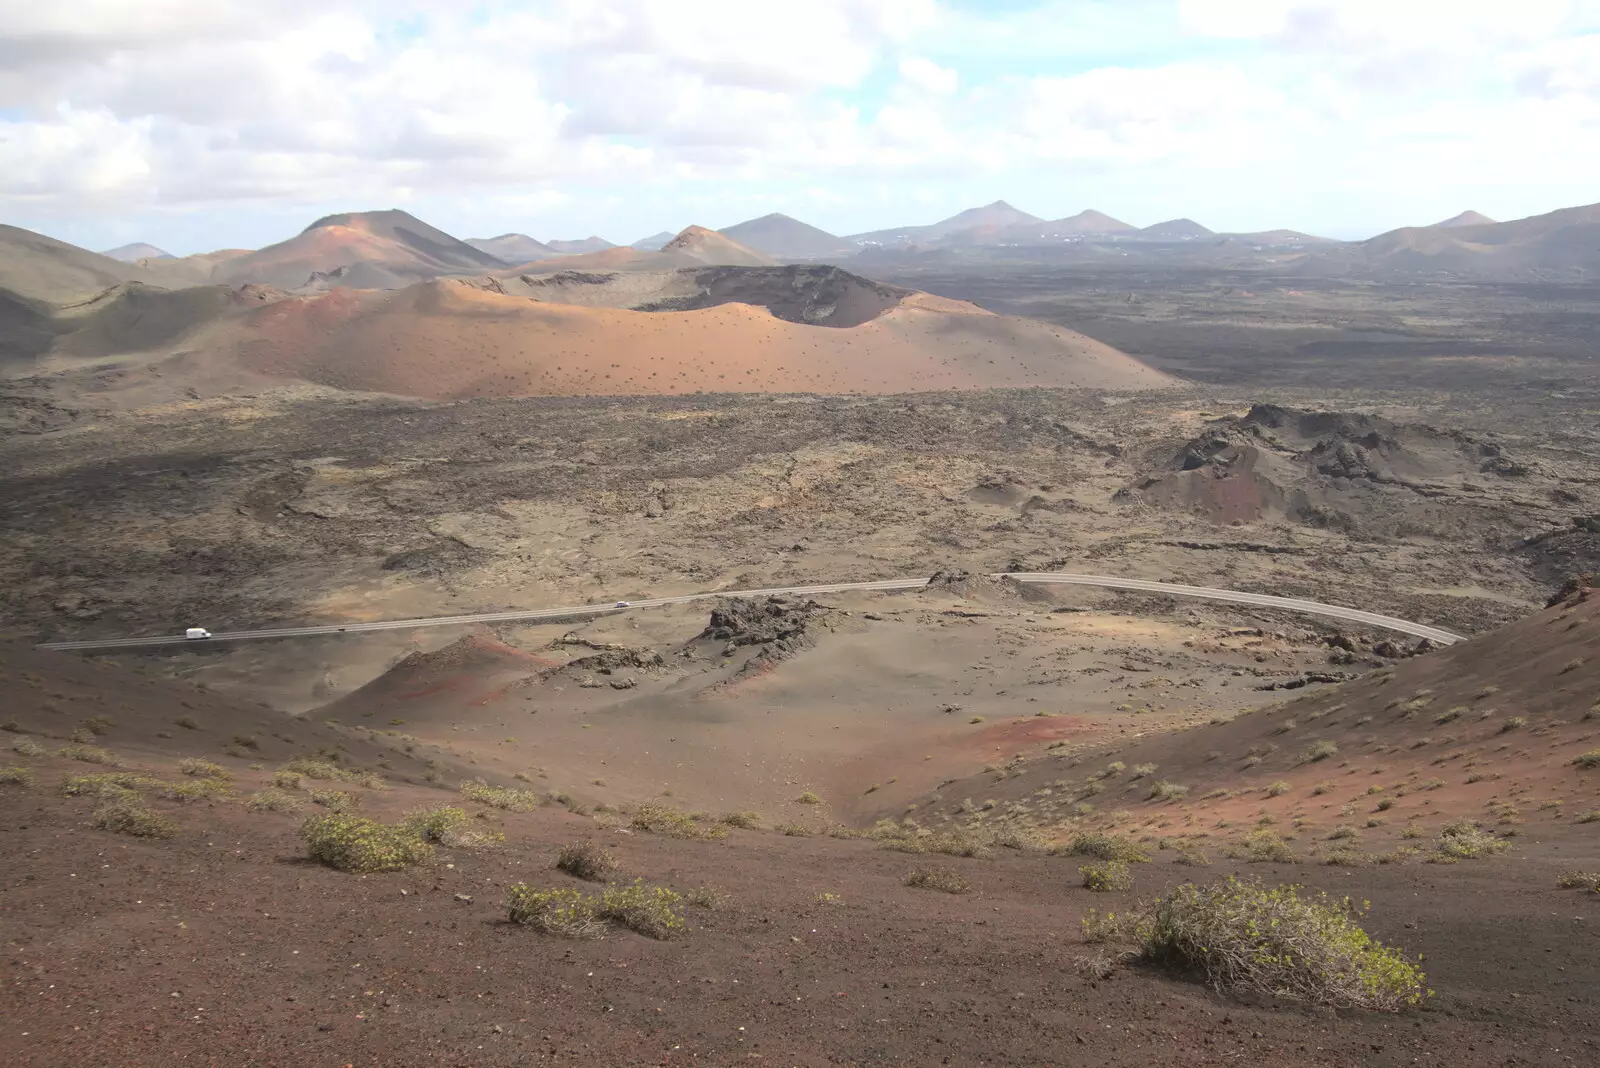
1106	847
508	798
448	826
204	769
127	815
563	912
352	843
273	801
947	880
649	910
586	861
808	798
1591	759
196	790
1106	876
1281	941
16	776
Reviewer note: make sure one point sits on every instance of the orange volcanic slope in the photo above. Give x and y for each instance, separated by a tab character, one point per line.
391	248
450	339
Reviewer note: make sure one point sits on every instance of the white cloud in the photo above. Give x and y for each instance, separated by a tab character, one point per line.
535	107
926	77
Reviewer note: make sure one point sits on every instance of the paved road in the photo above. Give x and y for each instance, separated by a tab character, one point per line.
1292	604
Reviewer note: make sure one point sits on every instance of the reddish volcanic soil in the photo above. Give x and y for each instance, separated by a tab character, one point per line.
225	947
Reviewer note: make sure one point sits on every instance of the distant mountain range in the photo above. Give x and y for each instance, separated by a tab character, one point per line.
135	252
392	249
1564	243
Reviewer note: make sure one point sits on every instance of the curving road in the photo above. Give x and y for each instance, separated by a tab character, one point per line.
1291	604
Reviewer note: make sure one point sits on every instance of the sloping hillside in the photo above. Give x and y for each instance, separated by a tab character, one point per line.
391	249
513	248
451	339
36	267
1562	243
785	238
1489	730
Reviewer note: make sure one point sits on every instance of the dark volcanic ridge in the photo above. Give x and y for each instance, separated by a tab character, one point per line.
1326	469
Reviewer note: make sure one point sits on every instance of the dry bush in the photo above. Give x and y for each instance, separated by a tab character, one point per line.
808	798
792	830
947	880
745	820
1318	751
1513	723
195	790
355	844
670	822
1591	759
1106	876
28	747
1167	791
1261	847
705	897
127	815
273	801
1580	880
88	754
1192	858
586	860
1106	847
1140	771
1282	941
507	798
1465	840
335	800
287	780
1278	789
203	769
16	776
107	784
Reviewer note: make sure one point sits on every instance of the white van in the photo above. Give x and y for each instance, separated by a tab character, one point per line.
196	632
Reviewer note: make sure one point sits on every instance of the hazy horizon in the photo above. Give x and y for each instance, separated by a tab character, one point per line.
198	126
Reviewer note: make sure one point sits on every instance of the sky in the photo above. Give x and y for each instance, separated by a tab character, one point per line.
205	124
